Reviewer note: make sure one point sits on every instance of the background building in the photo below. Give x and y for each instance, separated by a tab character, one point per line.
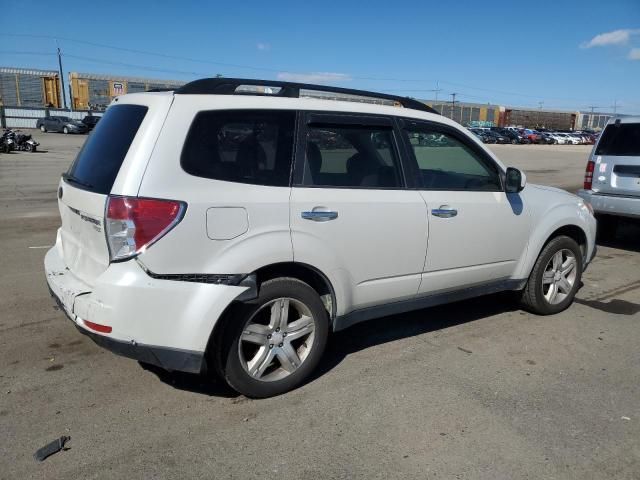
21	87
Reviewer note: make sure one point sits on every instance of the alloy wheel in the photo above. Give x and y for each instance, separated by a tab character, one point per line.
559	276
277	339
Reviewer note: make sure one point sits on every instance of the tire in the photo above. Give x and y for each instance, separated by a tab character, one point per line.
607	227
263	345
43	128
514	141
29	148
537	297
65	130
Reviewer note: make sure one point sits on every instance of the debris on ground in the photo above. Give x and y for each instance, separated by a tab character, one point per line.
51	448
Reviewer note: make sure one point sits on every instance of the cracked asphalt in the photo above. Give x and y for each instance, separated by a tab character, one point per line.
473	390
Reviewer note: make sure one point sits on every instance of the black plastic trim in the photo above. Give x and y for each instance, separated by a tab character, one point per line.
228	86
438	298
169	359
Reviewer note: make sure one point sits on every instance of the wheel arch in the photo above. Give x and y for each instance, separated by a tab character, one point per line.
309	274
567	227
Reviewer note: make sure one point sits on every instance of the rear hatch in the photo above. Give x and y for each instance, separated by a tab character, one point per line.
111	150
617	160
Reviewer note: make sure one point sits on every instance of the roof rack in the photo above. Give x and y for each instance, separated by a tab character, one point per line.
228	86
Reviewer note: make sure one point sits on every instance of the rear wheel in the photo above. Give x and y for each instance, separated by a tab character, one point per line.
272	344
42	128
555	277
65	130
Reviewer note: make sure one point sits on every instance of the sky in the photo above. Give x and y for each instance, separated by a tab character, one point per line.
567	55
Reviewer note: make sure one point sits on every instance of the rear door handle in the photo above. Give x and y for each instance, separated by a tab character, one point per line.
319	215
445	211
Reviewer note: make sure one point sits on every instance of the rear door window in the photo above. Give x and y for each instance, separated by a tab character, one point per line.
351	156
620	140
244	146
99	161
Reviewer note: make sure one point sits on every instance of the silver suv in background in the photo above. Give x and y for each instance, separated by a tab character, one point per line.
612	177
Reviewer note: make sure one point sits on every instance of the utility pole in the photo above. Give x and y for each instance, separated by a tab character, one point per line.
615	106
592	116
453	103
539	113
62	89
437	89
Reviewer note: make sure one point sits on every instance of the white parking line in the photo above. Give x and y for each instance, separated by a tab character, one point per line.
43	246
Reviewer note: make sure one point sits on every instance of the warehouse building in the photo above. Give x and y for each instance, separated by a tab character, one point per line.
95	92
21	87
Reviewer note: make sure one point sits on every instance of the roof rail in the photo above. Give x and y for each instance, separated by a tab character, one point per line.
228	86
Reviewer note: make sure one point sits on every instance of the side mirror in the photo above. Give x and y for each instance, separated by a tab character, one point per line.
514	181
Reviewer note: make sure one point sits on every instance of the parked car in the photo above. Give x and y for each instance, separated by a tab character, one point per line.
498	136
182	250
514	137
547	138
90	121
482	135
531	135
61	124
612	177
569	139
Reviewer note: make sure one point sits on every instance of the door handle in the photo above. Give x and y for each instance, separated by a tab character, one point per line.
319	215
445	211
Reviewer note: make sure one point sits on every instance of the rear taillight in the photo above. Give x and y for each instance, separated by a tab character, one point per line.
133	224
588	175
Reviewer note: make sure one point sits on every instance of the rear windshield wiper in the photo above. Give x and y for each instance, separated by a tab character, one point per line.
70	178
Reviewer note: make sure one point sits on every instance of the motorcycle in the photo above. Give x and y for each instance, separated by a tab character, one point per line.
23	142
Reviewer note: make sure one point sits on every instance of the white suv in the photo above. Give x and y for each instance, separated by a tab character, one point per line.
236	223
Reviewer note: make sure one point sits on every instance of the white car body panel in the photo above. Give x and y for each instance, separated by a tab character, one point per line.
379	240
483	242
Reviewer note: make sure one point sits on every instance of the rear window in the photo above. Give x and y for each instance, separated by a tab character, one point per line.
97	165
620	140
245	146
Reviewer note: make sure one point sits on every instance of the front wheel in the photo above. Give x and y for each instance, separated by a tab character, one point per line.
65	130
555	277
43	129
270	345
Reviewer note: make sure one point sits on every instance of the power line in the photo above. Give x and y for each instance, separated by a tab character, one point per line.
141	67
249	67
267	69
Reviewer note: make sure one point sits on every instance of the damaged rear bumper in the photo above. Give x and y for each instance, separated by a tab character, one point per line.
167	358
